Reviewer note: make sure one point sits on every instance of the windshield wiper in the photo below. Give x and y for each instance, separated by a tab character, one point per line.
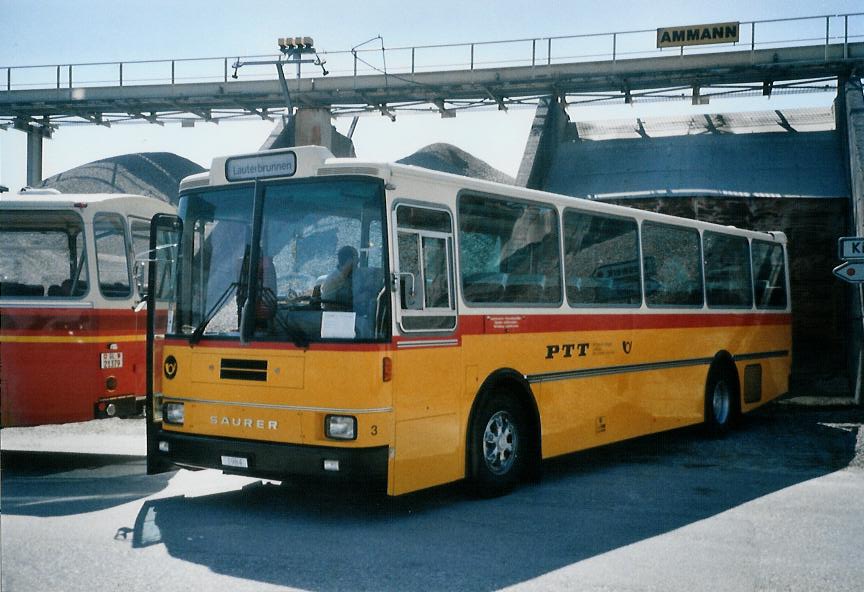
298	336
199	330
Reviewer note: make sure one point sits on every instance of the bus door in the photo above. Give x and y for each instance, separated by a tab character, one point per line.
427	375
165	234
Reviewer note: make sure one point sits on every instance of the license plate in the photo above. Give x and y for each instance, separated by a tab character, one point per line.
237	462
111	360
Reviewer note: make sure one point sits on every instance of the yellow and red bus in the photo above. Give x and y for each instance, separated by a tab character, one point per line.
72	344
334	316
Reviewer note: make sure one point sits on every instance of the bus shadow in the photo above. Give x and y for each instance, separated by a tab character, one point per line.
324	538
45	484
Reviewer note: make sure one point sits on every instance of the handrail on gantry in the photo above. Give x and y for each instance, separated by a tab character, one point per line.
353	62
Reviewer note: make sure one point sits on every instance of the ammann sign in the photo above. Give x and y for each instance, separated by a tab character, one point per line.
698	34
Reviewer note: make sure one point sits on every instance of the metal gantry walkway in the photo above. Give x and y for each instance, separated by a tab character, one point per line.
773	56
442	78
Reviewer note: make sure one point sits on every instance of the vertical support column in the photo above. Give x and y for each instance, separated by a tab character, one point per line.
851	99
310	127
34	155
547	131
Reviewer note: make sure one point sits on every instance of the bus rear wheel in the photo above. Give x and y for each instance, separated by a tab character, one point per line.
498	445
721	406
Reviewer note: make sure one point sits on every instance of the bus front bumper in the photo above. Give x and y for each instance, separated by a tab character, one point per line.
271	460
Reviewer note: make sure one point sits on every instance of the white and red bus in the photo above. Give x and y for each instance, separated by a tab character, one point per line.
72	336
333	316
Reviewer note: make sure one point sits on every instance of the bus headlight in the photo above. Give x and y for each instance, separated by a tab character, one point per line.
340	427
173	413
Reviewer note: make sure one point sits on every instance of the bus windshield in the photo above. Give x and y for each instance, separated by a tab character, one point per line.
321	266
42	254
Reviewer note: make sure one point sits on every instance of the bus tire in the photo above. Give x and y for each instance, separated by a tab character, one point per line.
721	401
498	446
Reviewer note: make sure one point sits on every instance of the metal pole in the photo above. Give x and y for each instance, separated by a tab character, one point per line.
70	75
172	71
472	56
845	36
827	33
9	78
533	51
614	46
858	390
412	62
58	77
121	73
753	36
549	52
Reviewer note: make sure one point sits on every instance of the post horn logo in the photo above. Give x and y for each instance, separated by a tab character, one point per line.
170	367
627	346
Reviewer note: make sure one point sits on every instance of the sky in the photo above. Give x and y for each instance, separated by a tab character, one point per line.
50	32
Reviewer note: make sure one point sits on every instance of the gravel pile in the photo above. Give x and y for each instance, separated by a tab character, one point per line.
450	159
155	174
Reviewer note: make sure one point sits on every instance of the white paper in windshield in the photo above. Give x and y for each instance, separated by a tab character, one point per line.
337	325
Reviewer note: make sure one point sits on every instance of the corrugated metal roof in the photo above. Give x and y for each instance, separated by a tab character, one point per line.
789	121
742	162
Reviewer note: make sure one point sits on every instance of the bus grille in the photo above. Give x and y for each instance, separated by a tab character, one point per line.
243	369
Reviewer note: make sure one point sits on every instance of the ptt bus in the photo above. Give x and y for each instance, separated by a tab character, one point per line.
485	327
71	342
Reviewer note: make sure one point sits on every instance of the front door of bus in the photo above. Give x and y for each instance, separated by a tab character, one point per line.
427	361
165	232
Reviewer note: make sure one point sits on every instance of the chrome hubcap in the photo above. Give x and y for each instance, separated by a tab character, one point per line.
500	442
721	402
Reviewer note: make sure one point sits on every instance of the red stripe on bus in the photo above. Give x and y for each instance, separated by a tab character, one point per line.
509	323
66	321
525	324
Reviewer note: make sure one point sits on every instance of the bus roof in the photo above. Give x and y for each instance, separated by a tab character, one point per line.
120	202
316	161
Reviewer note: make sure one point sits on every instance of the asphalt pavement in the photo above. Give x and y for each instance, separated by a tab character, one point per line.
776	505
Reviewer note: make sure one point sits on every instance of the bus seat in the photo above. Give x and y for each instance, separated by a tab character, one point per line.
80	289
485	287
524	288
115	290
19	289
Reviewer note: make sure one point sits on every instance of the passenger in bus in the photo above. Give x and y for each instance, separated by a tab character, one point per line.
337	292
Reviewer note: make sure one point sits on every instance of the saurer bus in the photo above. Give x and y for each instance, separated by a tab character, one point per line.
329	316
71	342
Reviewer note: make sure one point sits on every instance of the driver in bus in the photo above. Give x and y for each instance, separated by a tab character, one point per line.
337	289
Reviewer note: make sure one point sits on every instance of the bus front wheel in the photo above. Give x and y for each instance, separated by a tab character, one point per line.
498	445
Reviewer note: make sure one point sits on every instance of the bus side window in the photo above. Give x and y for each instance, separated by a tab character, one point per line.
601	260
671	263
425	256
509	252
727	271
769	273
112	255
410	290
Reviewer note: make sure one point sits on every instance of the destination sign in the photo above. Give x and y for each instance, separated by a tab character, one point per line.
257	166
698	34
851	248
